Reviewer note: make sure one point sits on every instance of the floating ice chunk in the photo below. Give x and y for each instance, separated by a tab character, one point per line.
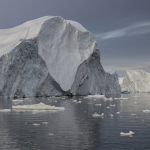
117	112
127	134
36	124
112	105
40	106
109	99
78	102
63	98
98	115
5	110
111	115
97	96
98	104
17	100
51	134
108	107
146	111
45	122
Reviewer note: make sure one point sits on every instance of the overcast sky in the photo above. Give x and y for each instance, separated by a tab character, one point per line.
121	27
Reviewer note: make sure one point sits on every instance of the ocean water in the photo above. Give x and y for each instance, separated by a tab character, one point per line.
75	128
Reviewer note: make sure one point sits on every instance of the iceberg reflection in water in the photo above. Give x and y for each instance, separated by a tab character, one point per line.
75	127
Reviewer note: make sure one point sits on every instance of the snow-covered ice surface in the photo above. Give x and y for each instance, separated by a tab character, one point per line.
136	81
52	56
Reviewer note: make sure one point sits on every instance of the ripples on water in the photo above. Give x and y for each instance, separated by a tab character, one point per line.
75	128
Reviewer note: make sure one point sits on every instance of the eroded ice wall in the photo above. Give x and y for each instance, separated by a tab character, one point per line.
52	56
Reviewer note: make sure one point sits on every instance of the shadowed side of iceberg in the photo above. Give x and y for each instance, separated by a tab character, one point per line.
24	73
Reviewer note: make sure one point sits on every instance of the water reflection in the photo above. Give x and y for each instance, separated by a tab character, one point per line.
75	127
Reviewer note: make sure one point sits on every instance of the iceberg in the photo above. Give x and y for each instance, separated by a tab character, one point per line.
136	81
51	56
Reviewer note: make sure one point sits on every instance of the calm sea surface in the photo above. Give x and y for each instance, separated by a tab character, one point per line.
75	128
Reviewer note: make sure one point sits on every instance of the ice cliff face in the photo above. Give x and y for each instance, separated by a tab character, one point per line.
136	81
52	56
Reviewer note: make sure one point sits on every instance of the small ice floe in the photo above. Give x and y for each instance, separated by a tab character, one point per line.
127	134
146	111
36	124
108	99
108	107
98	115
5	110
96	96
98	104
117	112
40	106
45	122
63	98
51	134
111	115
112	105
94	99
17	100
78	102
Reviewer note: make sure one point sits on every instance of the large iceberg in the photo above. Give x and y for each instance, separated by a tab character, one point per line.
136	81
52	56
